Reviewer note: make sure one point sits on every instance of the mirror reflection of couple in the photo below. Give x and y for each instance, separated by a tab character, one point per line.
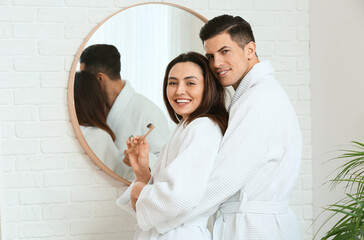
243	164
109	110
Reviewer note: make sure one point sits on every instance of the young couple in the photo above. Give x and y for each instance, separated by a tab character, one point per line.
244	165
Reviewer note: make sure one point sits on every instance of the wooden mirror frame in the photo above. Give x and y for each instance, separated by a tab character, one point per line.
70	90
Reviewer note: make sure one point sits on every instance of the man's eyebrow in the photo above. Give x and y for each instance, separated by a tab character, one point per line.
210	54
189	77
222	48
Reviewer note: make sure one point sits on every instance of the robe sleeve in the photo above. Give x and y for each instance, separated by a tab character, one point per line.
243	151
184	183
124	201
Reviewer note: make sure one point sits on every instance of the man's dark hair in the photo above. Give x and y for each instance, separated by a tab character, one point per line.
239	30
102	58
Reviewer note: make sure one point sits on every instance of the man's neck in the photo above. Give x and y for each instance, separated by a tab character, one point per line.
113	90
250	66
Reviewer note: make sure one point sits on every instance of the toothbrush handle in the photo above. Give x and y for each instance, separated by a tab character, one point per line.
139	141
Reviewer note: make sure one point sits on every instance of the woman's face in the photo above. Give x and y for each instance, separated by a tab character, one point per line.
185	88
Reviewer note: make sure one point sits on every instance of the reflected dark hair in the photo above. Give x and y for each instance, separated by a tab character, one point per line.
90	102
213	100
239	30
102	58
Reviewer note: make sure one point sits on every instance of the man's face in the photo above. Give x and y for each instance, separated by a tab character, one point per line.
82	66
227	60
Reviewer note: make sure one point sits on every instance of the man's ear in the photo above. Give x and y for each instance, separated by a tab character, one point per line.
250	48
101	77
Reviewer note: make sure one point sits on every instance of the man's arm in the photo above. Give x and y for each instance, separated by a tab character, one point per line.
243	151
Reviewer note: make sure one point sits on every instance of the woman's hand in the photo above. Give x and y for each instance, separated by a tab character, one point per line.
135	192
126	159
139	159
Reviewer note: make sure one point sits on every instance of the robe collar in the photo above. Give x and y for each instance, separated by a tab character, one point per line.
119	105
258	70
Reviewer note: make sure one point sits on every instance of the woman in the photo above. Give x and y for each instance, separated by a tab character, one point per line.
91	111
195	101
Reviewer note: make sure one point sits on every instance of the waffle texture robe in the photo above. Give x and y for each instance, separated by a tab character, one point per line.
179	183
256	168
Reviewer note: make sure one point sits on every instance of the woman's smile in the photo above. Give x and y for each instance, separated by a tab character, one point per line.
185	88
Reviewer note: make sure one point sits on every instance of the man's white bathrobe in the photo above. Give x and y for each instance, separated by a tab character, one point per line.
178	183
129	115
256	168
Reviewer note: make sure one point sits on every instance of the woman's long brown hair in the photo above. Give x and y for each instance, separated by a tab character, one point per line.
213	100
90	103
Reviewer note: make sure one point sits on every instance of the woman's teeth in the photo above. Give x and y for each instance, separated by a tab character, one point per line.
183	101
223	72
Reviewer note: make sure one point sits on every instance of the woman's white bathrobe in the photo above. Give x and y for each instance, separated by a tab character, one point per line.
178	183
129	115
256	168
102	145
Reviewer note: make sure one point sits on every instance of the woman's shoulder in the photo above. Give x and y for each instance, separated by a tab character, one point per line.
202	130
91	132
205	121
203	124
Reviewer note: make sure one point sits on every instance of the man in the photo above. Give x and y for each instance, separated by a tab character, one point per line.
129	112
259	158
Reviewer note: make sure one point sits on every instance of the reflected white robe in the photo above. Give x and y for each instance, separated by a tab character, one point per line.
178	183
102	145
256	168
129	115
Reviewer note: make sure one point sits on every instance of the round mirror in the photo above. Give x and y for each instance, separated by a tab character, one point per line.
147	37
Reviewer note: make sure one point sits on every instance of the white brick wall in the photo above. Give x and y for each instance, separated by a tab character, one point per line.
38	31
49	3
12	14
18	47
2	222
52	190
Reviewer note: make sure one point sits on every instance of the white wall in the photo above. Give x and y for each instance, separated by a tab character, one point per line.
52	190
337	86
1	191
